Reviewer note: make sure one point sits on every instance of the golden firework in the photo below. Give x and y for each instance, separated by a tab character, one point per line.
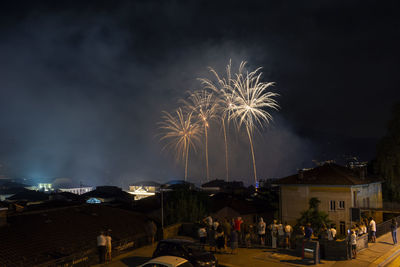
181	133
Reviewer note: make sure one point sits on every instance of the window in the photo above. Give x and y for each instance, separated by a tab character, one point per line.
342	228
332	205
341	205
355	199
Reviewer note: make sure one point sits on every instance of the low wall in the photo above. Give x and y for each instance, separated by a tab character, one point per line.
171	231
333	249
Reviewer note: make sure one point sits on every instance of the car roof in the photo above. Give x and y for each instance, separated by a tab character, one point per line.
174	261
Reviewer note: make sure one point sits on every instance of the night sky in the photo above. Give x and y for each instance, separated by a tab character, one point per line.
83	83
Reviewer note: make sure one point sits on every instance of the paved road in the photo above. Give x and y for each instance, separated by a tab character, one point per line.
378	254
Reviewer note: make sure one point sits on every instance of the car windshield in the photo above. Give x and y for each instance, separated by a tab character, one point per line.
193	247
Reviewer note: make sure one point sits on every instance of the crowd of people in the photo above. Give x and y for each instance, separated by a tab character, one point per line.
223	234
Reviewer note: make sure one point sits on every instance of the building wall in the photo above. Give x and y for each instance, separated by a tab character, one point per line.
368	196
295	200
133	188
77	190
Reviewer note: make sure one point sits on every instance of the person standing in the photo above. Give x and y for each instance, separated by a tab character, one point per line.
393	228
372	225
353	243
101	247
281	234
208	221
288	232
274	233
108	245
308	231
227	230
332	233
202	235
234	241
220	238
238	228
261	231
215	224
211	233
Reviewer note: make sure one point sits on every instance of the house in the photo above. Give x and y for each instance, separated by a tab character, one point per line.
143	189
108	194
67	235
228	206
79	190
337	187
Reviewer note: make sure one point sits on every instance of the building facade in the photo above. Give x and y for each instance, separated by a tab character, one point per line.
338	189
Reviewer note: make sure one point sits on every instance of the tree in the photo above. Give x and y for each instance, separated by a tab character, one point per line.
185	206
314	216
387	163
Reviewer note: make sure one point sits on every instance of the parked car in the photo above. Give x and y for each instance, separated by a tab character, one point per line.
167	261
186	249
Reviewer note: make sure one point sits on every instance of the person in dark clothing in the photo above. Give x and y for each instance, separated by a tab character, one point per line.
308	231
234	241
220	238
393	228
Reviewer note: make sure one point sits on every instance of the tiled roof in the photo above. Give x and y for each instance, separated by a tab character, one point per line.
328	174
29	195
40	236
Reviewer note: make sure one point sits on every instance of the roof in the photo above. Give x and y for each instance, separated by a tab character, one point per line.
172	260
49	234
109	192
242	206
29	195
328	174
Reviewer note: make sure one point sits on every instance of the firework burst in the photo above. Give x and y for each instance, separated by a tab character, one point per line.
204	105
181	133
251	102
225	91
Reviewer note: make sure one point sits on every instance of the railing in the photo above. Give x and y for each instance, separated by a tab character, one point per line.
391	206
89	256
385	227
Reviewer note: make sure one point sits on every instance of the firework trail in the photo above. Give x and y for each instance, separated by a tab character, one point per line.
226	95
251	101
203	104
181	132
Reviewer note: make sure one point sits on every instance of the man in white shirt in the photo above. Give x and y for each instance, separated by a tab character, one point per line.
372	225
101	247
332	233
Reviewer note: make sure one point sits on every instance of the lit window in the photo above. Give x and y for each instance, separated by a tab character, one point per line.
341	205
332	205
